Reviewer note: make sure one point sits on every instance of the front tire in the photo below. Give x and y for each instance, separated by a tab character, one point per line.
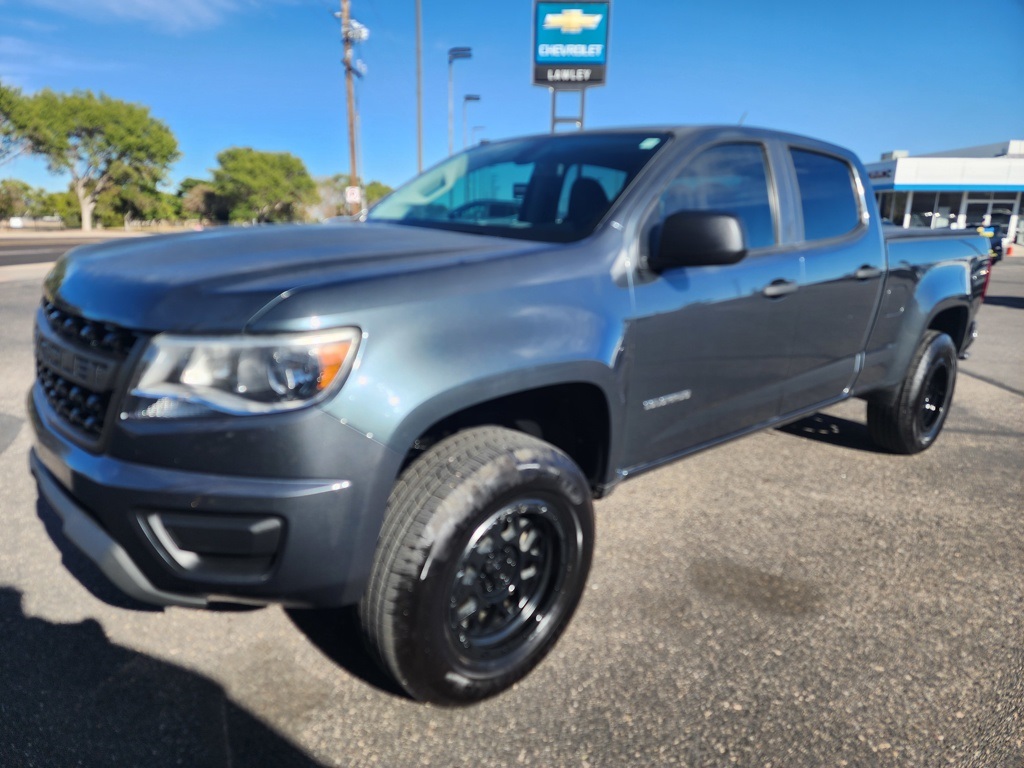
481	563
912	422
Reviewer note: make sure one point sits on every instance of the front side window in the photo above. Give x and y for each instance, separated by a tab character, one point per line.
551	188
827	194
729	178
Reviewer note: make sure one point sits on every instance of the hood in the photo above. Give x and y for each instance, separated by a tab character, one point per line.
214	282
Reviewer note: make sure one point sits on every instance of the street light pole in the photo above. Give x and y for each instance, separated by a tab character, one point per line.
454	54
465	124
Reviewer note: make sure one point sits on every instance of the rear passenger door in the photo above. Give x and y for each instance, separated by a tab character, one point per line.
842	273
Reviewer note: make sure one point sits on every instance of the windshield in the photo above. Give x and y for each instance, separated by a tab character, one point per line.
553	188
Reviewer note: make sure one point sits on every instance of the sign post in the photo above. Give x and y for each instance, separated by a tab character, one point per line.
570	50
354	196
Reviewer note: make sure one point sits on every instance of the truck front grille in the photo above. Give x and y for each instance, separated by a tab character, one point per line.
101	337
80	407
78	364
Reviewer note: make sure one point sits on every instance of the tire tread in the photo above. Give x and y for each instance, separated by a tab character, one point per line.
417	494
890	424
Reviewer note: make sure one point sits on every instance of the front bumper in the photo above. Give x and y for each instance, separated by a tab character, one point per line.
86	534
180	536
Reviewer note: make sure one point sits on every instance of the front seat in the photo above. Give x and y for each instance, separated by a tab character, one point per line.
587	203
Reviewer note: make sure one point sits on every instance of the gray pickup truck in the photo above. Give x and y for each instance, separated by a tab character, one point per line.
414	412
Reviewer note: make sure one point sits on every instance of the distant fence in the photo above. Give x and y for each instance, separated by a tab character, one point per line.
19	223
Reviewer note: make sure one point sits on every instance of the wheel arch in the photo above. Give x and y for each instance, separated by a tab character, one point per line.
952	317
574	415
953	321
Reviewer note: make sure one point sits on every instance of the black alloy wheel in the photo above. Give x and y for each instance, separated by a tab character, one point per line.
507	579
482	560
910	419
935	396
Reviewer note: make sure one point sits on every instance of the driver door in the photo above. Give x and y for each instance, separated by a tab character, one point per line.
711	344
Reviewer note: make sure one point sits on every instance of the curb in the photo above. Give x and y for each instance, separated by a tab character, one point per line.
16	272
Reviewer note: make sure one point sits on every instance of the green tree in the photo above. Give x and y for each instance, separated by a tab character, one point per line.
99	141
200	201
331	190
65	205
122	205
189	183
263	186
376	190
19	199
332	194
11	102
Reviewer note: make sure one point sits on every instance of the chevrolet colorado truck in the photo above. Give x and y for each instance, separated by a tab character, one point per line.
412	413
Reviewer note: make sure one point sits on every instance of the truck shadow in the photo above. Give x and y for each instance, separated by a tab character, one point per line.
1012	302
9	428
81	567
337	635
825	428
71	697
92	578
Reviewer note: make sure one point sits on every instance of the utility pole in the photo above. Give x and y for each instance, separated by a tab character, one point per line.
351	32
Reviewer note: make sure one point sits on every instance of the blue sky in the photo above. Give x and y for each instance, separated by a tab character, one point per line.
872	76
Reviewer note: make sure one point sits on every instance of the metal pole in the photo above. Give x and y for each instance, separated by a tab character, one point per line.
465	123
451	107
350	93
419	86
453	54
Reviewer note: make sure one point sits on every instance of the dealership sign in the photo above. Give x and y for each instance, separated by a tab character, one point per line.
570	44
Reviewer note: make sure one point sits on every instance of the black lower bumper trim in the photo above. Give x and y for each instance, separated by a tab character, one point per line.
99	547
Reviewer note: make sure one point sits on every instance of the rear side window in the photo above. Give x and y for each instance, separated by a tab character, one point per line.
827	195
730	178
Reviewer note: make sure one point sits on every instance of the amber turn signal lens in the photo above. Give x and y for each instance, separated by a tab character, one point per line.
332	357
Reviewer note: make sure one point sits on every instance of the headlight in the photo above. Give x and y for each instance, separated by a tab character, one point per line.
183	376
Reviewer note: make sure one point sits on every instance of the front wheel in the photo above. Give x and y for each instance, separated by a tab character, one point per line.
914	420
481	563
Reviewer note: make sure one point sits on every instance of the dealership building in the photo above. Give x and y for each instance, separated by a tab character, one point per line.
960	188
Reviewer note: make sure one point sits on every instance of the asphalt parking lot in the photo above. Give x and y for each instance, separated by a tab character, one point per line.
791	599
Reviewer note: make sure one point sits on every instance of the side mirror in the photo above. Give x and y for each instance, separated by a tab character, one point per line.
696	239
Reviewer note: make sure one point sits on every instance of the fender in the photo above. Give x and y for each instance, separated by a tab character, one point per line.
945	286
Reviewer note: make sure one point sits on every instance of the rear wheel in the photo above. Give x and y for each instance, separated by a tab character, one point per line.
914	420
482	561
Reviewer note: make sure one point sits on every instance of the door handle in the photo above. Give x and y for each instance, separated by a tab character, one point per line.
779	288
867	272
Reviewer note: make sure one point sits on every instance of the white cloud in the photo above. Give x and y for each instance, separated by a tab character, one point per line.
24	64
15	57
172	15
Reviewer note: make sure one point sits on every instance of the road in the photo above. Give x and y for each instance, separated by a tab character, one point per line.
791	599
24	255
36	250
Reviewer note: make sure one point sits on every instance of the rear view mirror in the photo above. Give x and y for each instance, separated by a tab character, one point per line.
696	239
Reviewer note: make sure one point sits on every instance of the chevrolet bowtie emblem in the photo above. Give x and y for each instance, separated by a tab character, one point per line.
572	21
